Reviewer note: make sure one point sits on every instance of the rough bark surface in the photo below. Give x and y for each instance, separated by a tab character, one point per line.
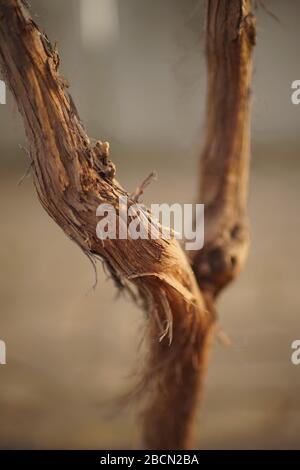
72	177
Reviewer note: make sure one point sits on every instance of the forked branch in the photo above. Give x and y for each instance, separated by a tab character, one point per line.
72	177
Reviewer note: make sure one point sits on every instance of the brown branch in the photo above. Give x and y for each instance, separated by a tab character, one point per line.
225	158
72	178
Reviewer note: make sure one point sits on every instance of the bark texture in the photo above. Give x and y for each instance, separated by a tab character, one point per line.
225	159
72	177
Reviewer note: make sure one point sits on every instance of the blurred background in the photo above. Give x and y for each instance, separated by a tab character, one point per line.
137	74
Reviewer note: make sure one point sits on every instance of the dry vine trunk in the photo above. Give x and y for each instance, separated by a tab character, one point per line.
70	184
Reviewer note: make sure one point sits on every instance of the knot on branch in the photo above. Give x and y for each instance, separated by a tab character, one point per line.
248	24
221	260
101	161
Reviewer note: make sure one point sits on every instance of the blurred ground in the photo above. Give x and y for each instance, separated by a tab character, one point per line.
70	350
